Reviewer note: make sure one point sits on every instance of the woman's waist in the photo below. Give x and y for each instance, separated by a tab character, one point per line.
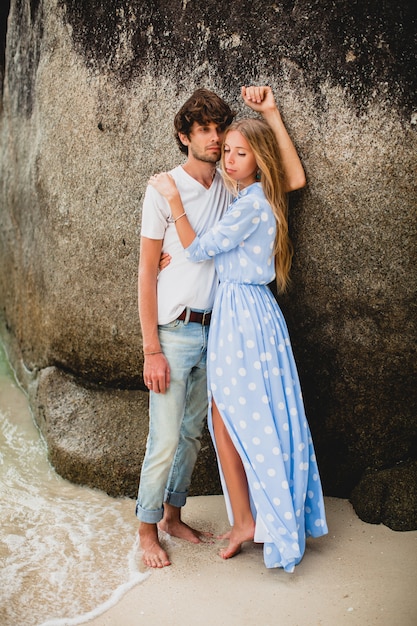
243	283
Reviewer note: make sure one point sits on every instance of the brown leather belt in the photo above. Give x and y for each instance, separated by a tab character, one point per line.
196	317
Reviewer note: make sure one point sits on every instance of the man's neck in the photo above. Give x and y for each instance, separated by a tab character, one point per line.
201	171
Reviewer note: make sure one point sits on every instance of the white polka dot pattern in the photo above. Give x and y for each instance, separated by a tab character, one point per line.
253	379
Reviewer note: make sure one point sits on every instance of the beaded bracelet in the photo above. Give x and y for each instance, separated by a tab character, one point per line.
150	353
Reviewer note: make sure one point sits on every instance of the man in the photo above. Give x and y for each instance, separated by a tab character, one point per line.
175	307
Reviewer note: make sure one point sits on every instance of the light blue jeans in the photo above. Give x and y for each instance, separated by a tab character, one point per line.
176	421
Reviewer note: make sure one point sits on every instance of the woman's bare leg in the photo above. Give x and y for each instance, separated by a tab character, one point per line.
237	486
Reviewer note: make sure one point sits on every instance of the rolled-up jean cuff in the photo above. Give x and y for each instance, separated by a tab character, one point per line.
175	499
149	517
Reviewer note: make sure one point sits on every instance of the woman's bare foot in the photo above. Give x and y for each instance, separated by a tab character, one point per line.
153	555
178	528
237	536
225	535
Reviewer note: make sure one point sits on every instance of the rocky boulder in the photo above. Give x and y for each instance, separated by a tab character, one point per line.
89	92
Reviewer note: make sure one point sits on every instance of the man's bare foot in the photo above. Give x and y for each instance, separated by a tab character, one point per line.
172	524
178	528
237	536
153	553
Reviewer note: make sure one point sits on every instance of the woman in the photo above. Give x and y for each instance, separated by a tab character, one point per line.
256	416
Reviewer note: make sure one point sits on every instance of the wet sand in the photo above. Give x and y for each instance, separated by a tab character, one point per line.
360	574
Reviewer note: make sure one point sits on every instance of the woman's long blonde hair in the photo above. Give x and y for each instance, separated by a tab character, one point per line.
264	146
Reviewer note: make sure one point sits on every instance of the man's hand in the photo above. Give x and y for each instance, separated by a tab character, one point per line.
156	372
260	99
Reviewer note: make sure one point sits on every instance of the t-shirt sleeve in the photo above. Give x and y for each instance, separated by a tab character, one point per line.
155	214
240	221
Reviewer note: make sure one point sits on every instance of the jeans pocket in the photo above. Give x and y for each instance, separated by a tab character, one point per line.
171	325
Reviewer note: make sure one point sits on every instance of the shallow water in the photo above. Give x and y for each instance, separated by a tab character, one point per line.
67	552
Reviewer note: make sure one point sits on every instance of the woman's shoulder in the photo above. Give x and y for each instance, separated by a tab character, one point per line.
255	189
253	193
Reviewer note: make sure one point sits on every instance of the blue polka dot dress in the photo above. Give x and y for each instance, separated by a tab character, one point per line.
253	379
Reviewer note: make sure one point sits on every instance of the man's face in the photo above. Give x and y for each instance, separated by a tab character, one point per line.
204	142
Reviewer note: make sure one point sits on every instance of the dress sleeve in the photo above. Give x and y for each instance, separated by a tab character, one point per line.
238	223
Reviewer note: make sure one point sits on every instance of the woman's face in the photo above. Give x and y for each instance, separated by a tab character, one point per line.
239	160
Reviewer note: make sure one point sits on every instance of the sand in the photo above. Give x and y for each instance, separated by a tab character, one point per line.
359	574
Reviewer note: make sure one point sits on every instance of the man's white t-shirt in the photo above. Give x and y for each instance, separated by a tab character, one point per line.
183	283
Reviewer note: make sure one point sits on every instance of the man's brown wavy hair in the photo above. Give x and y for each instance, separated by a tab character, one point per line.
203	107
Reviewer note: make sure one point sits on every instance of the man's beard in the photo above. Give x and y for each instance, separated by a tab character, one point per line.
204	157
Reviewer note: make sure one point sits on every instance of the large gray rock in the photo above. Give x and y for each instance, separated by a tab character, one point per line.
379	498
97	436
89	95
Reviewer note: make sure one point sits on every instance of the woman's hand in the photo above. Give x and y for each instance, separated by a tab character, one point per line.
164	261
164	184
260	99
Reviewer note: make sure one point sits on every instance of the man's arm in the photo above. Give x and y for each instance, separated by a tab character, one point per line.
156	368
261	99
